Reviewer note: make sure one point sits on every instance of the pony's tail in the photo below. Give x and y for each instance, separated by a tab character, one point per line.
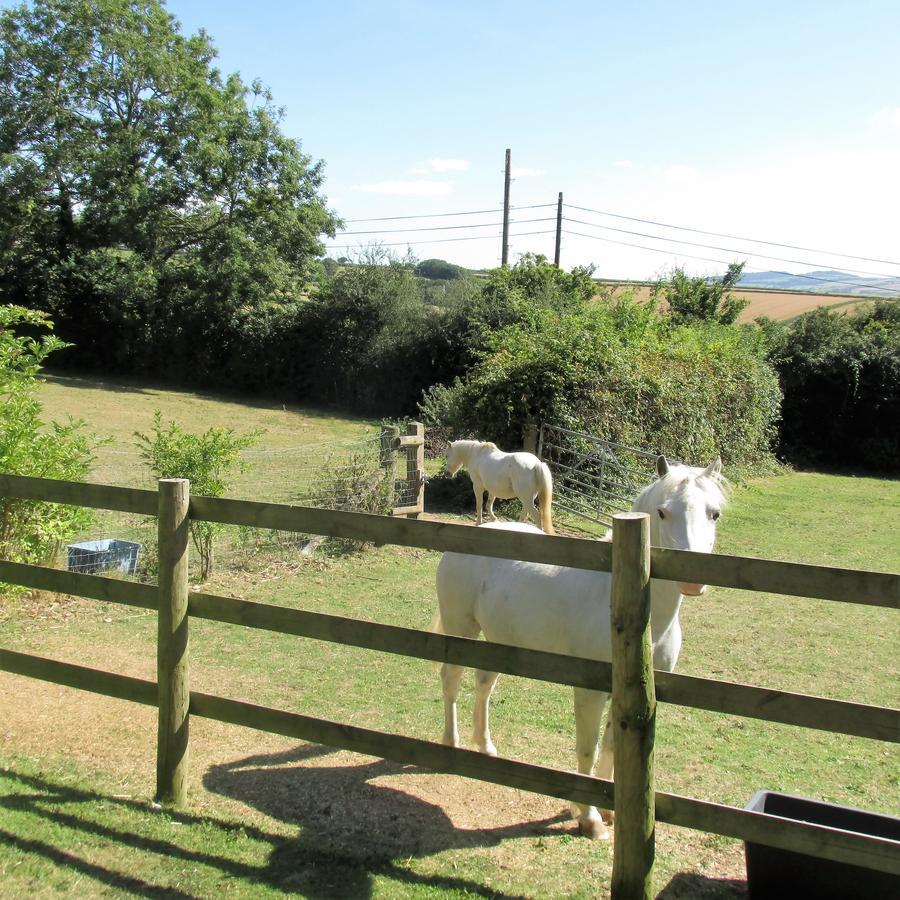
545	499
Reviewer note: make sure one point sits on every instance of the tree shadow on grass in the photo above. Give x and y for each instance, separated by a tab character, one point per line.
351	828
335	855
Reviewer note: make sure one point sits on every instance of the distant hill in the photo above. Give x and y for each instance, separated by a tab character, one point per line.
823	281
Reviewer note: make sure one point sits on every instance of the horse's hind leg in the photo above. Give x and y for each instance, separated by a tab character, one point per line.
481	732
490	507
605	763
450	678
588	715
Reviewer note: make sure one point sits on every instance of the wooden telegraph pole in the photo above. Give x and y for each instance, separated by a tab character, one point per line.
504	259
558	230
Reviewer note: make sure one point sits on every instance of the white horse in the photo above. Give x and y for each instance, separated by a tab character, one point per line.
567	611
504	475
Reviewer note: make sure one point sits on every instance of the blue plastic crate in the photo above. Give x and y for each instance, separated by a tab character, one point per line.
90	557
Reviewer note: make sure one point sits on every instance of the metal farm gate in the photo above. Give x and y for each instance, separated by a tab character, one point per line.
593	478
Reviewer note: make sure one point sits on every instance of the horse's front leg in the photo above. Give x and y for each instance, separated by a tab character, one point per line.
450	678
588	715
479	500
481	732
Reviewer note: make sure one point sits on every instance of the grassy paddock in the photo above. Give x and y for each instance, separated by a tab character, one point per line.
268	816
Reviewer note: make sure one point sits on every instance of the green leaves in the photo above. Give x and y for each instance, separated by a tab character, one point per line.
207	460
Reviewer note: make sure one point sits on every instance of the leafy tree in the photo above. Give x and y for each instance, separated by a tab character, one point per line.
124	151
438	269
33	531
699	299
208	460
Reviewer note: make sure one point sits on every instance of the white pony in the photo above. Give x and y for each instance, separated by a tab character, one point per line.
504	475
567	611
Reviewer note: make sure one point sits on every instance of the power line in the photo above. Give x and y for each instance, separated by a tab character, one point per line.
733	237
597	237
447	227
473	212
739	252
481	237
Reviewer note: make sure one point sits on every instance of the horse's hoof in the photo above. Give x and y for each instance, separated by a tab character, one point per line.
488	750
595	829
449	741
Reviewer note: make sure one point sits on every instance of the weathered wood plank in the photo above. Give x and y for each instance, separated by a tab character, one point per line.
94	587
457	761
172	642
554	667
578	553
78	493
109	684
839	716
804	710
774	831
701	815
633	709
776	577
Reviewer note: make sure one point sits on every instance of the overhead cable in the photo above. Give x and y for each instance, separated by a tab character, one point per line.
739	251
597	237
733	237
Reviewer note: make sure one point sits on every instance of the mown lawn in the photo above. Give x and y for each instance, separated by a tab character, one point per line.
268	816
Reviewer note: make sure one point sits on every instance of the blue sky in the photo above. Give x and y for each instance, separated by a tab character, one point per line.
772	120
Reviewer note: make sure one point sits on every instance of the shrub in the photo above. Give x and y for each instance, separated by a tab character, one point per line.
619	370
207	460
840	375
33	531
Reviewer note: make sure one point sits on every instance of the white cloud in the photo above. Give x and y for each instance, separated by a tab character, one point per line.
441	165
623	164
525	172
887	119
680	174
406	188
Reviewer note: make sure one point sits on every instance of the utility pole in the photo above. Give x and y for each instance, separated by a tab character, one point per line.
504	259
558	230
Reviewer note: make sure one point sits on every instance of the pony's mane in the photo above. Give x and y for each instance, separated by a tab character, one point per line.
716	485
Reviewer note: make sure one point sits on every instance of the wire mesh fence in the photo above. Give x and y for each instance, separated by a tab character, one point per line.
592	478
364	474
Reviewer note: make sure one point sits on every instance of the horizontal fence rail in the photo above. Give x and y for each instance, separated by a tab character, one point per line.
748	573
763	828
783	707
845	585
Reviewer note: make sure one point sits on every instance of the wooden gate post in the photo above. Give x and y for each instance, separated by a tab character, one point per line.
415	466
633	709
172	641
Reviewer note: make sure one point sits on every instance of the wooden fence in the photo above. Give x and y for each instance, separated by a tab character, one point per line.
635	688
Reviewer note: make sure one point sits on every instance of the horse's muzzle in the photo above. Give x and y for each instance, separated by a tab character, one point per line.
691	590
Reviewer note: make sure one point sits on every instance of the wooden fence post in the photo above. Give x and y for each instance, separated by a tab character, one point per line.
415	466
172	641
633	709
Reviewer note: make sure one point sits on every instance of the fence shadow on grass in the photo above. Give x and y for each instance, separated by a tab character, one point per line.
333	856
353	829
693	886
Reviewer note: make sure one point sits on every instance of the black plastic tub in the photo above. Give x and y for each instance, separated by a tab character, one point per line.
773	874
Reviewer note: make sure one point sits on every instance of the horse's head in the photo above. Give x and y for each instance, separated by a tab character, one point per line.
455	458
684	505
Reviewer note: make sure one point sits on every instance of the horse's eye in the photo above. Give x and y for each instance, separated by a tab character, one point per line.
661	512
715	515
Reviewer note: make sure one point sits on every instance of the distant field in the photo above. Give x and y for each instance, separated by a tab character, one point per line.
776	304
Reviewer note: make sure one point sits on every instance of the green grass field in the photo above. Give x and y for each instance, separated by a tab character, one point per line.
269	817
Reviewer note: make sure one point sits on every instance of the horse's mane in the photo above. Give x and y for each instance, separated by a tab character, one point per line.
716	484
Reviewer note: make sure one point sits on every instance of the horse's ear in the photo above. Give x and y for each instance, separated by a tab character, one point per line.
662	465
714	468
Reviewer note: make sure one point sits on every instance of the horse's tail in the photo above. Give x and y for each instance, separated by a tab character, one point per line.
545	498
